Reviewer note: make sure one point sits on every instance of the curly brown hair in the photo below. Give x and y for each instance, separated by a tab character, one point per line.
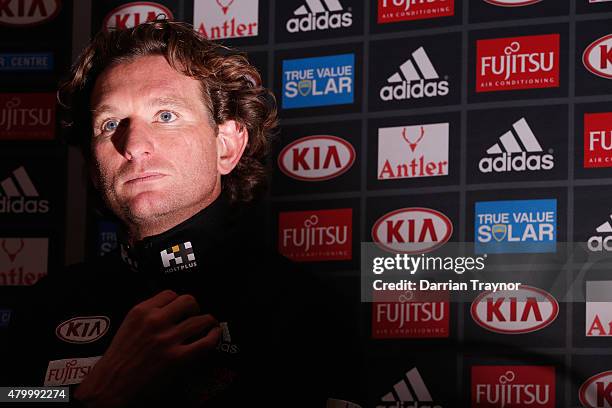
231	90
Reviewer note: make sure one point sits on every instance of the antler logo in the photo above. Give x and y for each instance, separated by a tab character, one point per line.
12	255
413	145
225	5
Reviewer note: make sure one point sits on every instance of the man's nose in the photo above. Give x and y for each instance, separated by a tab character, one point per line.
136	139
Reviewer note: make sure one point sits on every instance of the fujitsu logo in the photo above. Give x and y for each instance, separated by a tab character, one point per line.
312	235
517	63
390	11
316	158
319	15
27	116
12	115
598	140
513	386
410	314
21	200
69	371
415	80
514	157
316	235
413	151
597	57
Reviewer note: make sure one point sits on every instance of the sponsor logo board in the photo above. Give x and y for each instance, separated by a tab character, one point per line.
318	235
516	226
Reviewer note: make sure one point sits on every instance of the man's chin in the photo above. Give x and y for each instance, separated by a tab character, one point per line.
147	206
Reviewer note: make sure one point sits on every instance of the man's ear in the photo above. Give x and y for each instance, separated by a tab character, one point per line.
231	142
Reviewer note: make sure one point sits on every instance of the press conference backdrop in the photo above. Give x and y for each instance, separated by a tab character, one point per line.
486	122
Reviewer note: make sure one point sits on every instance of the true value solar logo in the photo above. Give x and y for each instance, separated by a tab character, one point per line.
518	226
318	81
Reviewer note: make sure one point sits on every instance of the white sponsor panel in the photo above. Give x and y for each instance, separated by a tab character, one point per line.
598	309
413	151
221	19
69	371
23	261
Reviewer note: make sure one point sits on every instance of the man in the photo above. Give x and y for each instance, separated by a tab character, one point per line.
193	311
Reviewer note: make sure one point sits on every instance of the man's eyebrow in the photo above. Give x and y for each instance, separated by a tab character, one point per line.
170	101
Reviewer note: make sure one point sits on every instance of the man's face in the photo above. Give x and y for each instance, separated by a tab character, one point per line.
153	146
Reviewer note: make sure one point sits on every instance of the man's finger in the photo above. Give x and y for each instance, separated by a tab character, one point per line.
159	300
195	326
203	345
181	308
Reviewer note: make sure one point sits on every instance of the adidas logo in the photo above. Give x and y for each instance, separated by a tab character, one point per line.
409	392
226	345
319	15
18	195
417	78
514	156
599	243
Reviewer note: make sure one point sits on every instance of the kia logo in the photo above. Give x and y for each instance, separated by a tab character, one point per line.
316	158
512	3
597	57
83	329
412	230
132	14
596	392
27	12
525	310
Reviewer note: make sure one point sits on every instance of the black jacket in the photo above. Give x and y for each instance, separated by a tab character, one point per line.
284	342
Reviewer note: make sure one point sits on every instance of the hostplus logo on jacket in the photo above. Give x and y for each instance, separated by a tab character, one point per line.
178	257
319	15
416	78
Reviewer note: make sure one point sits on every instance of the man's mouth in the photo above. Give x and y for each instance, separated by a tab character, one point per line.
144	177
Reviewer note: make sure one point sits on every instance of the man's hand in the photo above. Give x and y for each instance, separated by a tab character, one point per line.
157	337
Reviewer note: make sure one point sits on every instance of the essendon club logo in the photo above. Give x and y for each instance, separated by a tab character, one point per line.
392	11
413	151
316	158
513	63
596	392
28	116
412	230
514	312
28	12
598	140
132	14
410	314
598	309
513	386
597	57
320	235
221	19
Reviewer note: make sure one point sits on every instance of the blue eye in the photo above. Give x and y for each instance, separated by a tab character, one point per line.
110	125
167	116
